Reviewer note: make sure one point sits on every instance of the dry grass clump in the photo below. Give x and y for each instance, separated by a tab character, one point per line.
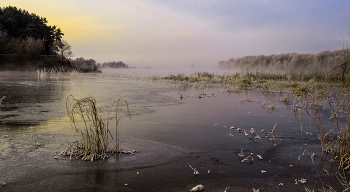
337	141
94	132
56	73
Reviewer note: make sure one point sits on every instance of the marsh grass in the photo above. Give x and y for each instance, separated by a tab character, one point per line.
95	135
56	73
336	141
256	80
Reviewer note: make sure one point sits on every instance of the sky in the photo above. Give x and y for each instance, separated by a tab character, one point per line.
181	33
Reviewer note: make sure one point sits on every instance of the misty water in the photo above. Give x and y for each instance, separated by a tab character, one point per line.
171	132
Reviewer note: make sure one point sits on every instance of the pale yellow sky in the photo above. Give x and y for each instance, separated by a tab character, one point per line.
186	32
77	23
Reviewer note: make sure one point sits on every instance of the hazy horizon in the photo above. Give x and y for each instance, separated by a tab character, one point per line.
173	34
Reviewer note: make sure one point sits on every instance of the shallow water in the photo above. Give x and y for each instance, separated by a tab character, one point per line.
171	133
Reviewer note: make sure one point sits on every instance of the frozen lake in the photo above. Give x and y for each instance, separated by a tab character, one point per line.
170	126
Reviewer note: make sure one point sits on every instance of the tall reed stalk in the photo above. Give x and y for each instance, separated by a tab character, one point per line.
119	109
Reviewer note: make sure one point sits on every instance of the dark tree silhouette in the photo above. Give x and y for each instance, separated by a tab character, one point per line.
19	23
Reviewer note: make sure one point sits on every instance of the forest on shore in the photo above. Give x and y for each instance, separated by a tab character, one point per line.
27	42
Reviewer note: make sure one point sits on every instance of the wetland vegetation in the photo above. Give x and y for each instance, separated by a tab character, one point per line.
308	82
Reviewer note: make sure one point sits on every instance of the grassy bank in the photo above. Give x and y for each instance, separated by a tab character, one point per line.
45	63
258	80
30	62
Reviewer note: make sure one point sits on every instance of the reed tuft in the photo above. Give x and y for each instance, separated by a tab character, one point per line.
95	135
56	73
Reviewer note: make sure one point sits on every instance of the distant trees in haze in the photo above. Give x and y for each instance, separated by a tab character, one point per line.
113	64
324	64
92	65
84	64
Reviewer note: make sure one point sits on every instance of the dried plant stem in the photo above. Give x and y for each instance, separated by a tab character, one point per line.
95	135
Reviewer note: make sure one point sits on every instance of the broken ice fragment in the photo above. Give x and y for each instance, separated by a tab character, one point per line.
302	180
197	188
252	130
245	133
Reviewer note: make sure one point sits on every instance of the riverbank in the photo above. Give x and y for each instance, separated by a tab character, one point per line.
266	82
21	62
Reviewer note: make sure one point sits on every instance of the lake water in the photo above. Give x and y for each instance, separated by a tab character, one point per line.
170	133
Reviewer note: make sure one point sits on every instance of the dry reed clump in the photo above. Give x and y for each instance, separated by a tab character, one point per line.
94	132
56	73
336	142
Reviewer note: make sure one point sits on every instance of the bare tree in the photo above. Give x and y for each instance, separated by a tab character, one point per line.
64	49
342	65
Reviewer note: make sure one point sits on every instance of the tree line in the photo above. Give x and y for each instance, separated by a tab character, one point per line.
323	65
113	64
91	64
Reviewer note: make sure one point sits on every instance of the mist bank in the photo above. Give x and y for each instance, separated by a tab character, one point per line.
325	65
